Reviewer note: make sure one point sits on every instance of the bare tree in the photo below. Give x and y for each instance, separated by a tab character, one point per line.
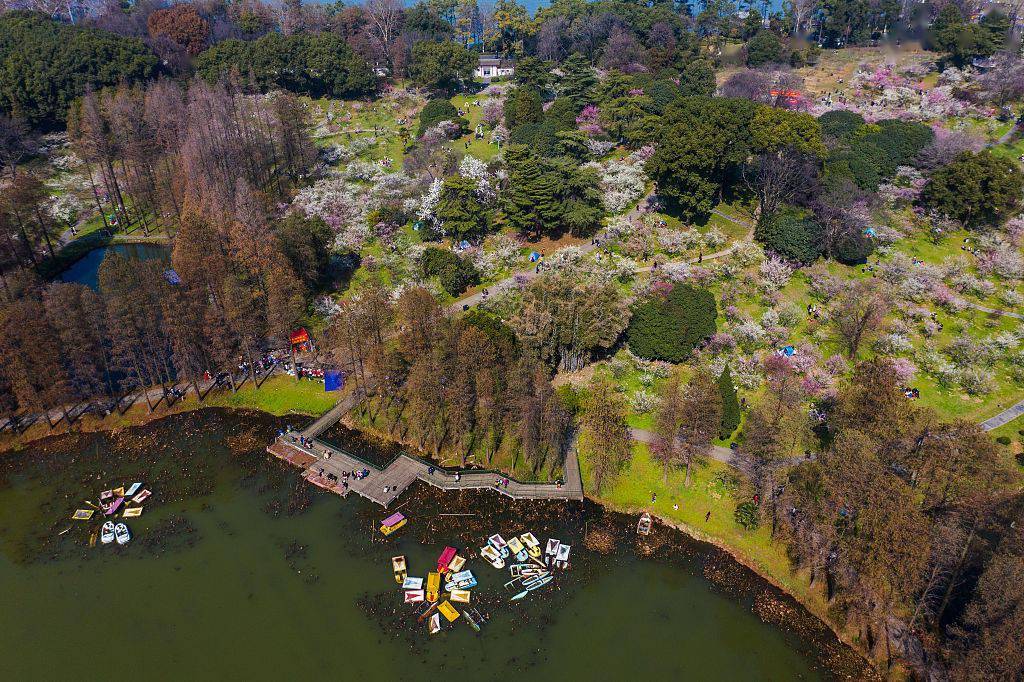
857	313
15	142
779	178
385	23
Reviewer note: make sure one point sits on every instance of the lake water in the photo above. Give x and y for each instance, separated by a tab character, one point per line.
86	270
240	570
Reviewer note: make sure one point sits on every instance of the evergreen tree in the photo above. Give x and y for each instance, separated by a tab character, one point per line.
730	404
578	79
460	211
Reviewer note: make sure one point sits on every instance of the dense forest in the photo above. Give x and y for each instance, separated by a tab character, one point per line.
655	182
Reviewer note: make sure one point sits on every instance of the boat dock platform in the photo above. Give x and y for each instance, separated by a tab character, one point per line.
383	486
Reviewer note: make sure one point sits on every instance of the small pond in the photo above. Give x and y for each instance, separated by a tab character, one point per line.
87	269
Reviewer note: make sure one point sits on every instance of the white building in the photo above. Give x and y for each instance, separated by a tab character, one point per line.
492	66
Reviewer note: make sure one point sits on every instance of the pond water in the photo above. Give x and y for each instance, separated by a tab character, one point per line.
87	269
239	569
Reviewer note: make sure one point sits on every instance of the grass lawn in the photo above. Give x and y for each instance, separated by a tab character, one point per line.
631	492
279	395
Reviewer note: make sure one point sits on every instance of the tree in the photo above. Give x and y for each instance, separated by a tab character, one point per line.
606	436
840	123
437	110
764	48
989	636
533	73
697	79
459	210
15	142
565	317
700	419
46	65
670	325
317	64
306	243
791	234
455	274
780	177
667	418
385	24
857	313
182	24
523	105
578	79
979	190
441	66
730	404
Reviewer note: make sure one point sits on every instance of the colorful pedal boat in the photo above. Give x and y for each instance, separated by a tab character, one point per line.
413	596
532	545
515	545
443	561
498	543
392	523
412	584
398	566
457	563
491	555
448	611
562	557
461	581
433	587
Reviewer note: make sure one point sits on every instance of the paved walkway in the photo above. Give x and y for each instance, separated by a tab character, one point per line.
1004	417
383	486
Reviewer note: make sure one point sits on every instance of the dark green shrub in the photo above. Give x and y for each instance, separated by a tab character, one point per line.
792	235
748	515
1003	440
454	273
840	124
437	110
668	327
853	249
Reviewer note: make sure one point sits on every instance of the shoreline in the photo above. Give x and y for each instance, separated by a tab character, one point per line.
687	530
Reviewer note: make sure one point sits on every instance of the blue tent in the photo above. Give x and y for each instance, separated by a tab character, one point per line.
789	351
172	277
334	380
534	256
870	232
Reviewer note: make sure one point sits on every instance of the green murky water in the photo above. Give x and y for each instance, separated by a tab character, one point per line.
239	571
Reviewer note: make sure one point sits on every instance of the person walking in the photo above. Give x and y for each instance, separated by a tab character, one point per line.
707	516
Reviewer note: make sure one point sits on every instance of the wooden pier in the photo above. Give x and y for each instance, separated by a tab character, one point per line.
383	486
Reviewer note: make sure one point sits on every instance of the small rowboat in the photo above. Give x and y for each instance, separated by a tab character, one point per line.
499	544
435	624
398	566
413	596
412	584
119	492
517	548
132	512
491	555
83	514
433	586
448	611
134	488
106	495
460	596
471	621
447	554
121	534
562	558
551	550
643	526
392	523
107	533
141	497
532	545
456	565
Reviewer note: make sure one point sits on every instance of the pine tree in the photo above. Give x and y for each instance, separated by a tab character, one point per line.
730	404
578	79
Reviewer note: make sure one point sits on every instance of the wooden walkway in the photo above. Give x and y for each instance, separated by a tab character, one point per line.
383	486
